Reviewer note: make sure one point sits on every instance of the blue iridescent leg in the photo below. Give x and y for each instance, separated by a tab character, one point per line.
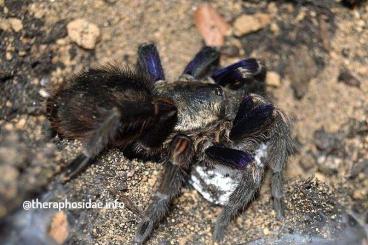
238	73
149	61
229	157
251	118
203	61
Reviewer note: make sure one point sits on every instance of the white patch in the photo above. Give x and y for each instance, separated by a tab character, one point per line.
261	154
218	183
221	180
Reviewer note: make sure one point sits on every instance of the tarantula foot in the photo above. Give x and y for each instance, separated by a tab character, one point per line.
238	73
279	208
144	230
149	61
250	120
75	167
203	61
229	157
219	233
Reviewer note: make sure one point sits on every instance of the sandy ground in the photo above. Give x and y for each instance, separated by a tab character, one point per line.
309	45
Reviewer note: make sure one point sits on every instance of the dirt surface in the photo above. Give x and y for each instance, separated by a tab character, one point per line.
319	50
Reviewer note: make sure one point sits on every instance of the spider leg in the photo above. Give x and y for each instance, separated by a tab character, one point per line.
149	62
175	175
229	157
201	64
239	72
251	119
119	127
242	195
281	146
95	143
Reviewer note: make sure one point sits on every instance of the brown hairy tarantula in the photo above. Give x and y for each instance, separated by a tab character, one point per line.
206	127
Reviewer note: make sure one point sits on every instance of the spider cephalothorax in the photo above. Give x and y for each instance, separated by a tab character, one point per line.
207	128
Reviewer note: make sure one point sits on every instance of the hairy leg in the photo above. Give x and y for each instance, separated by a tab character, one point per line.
95	143
149	62
202	63
239	73
175	175
280	148
118	130
239	199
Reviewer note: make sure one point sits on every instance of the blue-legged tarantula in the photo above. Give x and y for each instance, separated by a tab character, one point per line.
208	130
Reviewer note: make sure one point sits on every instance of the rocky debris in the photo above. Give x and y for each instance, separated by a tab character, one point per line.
16	24
349	79
293	30
301	71
32	227
57	31
84	33
273	79
11	24
334	150
331	152
26	161
246	24
211	25
59	228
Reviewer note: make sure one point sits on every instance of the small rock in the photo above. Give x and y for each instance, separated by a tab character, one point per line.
301	70
59	228
8	56
230	50
358	194
266	231
349	79
245	24
273	79
21	123
4	25
211	25
43	92
16	24
57	31
325	141
83	33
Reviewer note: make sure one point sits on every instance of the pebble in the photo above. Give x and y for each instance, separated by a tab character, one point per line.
59	228
84	33
273	79
301	71
8	56
43	92
358	194
4	25
349	79
21	123
266	231
16	24
246	24
211	25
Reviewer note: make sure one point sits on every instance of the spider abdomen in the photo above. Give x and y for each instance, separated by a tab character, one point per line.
216	183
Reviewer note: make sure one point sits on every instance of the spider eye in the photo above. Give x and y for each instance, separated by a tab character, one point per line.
219	92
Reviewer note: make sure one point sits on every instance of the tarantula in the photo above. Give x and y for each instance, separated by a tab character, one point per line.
208	129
